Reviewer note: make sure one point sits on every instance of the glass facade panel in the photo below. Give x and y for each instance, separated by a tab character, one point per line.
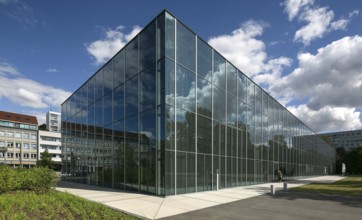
185	89
204	60
169	115
118	68
186	47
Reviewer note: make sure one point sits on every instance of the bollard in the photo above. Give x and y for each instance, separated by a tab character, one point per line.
285	186
272	190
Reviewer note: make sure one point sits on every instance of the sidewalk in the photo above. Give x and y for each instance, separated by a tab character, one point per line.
153	207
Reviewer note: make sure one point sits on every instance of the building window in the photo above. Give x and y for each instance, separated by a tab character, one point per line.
17	135
33	136
33	156
33	146
25	136
2	144
26	155
1	155
10	155
18	145
10	134
17	155
2	133
10	144
26	146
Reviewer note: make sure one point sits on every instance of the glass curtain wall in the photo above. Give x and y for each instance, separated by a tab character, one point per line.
169	115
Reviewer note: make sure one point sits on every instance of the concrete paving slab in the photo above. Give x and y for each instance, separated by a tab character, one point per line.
153	207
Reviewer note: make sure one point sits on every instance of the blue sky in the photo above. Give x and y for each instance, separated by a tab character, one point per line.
305	53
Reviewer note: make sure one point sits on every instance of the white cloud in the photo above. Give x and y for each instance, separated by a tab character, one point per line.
52	70
319	19
330	81
292	7
6	68
242	48
114	39
328	118
28	93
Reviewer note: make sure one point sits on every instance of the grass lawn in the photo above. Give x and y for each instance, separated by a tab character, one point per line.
53	205
349	186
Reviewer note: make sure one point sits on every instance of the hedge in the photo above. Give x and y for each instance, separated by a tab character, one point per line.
34	179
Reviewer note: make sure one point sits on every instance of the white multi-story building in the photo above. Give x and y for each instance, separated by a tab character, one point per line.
18	139
53	121
51	141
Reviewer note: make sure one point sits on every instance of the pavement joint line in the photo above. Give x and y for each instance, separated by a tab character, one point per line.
159	207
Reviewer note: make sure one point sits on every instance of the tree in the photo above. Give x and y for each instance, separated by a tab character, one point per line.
353	161
42	127
341	154
45	160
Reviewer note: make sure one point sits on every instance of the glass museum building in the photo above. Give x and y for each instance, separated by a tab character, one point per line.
170	115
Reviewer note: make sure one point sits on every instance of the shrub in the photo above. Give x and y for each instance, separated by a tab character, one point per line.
35	179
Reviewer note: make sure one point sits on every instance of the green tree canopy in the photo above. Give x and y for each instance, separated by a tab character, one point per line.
45	160
353	161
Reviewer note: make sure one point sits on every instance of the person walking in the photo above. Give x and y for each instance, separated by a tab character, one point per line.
280	175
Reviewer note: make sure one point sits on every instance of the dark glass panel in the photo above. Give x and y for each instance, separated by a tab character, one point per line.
231	136
190	167
118	103
91	84
147	47
119	155
98	118
132	152
204	60
147	88
185	89
98	89
107	109
118	68
148	151
181	173
131	59
91	118
108	77
84	96
204	97
186	47
204	135
169	172
218	76
131	94
185	122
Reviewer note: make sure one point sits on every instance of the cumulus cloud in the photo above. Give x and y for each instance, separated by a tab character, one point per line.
328	118
330	81
26	92
319	20
243	48
114	39
292	7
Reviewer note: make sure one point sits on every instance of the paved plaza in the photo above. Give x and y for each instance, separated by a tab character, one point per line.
248	202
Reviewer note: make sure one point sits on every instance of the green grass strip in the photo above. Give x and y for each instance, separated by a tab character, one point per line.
53	205
349	186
